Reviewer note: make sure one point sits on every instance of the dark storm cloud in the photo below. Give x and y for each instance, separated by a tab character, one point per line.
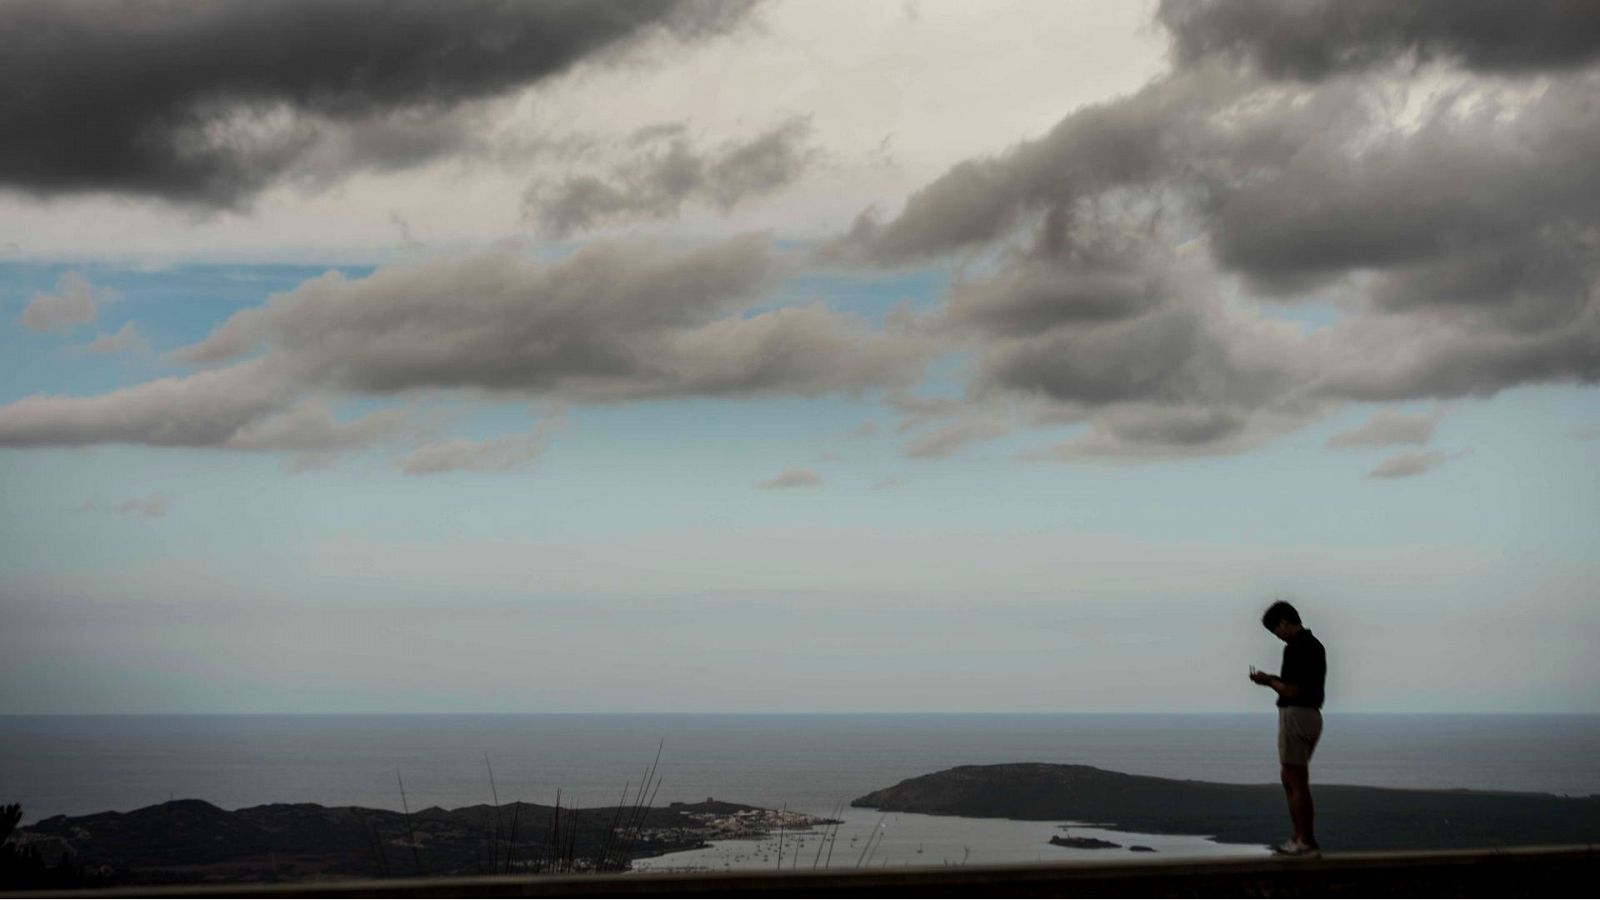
1483	203
208	102
1456	215
1312	39
668	170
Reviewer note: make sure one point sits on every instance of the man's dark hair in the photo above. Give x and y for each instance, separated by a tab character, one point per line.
1279	612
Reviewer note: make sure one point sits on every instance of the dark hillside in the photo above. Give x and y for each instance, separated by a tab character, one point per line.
1348	818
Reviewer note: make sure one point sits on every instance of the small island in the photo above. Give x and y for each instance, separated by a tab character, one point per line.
1350	818
1082	843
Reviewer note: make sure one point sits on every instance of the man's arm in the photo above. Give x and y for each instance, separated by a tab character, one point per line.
1284	689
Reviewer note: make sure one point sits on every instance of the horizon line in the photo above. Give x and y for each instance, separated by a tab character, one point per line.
686	713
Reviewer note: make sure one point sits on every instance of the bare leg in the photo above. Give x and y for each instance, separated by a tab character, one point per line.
1297	785
1288	794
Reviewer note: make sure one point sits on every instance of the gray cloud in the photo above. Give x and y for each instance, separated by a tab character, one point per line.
919	411
947	439
883	484
123	338
1388	427
1406	465
209	102
73	304
1486	205
612	323
1458	225
203	410
311	429
503	454
1153	432
792	478
1035	295
407	237
667	171
154	506
1313	39
247	407
1168	368
1042	189
587	324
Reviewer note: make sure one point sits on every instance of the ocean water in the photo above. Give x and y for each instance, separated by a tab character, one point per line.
810	763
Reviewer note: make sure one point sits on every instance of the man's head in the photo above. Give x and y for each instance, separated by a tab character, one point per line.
1282	620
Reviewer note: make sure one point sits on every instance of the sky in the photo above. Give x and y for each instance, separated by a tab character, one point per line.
797	356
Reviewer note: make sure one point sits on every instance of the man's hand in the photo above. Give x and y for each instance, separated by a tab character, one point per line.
1264	678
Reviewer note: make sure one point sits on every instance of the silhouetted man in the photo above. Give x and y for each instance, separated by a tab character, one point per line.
1299	689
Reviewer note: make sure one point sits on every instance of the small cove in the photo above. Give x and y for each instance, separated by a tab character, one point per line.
911	839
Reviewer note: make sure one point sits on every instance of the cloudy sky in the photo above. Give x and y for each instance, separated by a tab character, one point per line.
712	356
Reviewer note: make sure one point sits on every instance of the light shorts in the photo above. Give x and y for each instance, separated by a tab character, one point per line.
1299	727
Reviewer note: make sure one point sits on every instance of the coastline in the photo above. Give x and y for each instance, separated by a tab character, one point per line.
942	840
995	814
192	841
1351	818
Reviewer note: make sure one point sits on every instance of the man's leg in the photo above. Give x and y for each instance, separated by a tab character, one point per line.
1288	795
1297	785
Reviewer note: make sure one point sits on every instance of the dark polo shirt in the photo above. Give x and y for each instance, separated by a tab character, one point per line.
1305	665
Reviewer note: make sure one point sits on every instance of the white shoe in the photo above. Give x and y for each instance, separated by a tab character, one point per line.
1296	849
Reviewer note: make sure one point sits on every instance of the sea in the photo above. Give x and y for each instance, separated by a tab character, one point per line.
814	763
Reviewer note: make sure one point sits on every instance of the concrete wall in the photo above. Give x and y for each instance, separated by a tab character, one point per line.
1507	872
